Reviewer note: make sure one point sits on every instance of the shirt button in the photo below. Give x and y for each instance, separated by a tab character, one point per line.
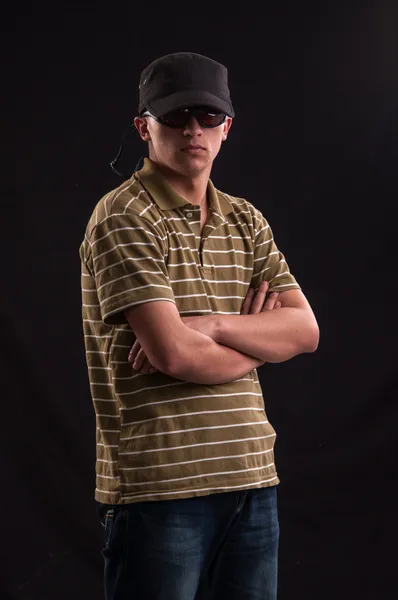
189	215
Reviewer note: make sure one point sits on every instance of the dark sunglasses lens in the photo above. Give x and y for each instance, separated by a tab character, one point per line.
211	119
179	118
175	118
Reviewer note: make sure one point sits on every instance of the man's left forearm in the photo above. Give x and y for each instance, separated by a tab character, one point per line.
272	336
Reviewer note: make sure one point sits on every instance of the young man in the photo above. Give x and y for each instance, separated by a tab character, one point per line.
185	294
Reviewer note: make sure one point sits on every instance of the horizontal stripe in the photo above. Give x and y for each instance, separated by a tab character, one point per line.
113	400
129	259
137	437
262	229
208	296
109	430
130	275
199	460
129	304
98	337
173	480
136	288
225	281
108	417
117	229
110	446
201	412
233	266
233	251
167	448
195	397
268	255
98	256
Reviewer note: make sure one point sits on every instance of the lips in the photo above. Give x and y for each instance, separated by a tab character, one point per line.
194	147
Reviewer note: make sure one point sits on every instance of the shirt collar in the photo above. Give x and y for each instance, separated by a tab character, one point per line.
166	197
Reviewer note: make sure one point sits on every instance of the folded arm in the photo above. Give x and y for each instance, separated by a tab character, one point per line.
272	336
184	353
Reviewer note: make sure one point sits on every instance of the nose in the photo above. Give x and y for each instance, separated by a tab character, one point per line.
192	127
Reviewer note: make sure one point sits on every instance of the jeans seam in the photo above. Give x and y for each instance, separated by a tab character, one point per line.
241	503
218	544
109	521
232	523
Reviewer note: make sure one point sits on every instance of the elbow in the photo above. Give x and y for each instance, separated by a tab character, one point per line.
188	367
171	371
171	358
176	367
167	367
161	361
312	338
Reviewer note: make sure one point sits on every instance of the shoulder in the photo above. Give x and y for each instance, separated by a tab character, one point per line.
243	209
128	202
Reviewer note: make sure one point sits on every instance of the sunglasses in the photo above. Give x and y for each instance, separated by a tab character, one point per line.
180	118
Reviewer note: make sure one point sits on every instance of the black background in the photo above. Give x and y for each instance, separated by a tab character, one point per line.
314	147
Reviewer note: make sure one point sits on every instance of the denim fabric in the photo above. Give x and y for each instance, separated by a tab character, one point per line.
208	548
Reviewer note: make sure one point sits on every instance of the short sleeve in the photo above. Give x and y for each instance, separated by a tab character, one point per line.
269	263
128	263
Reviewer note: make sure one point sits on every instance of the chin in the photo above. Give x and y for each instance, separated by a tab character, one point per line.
193	164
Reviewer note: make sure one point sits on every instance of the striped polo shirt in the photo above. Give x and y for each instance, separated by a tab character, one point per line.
158	437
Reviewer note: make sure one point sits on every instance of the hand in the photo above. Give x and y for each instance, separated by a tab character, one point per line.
206	324
254	303
139	360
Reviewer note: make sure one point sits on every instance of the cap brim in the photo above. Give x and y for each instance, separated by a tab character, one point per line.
187	99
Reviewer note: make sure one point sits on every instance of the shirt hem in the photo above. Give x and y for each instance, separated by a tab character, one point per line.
116	498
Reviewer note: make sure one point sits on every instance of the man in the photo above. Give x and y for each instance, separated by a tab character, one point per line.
185	294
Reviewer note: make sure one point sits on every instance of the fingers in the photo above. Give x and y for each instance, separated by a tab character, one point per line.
258	301
134	351
247	302
271	302
146	367
255	301
139	360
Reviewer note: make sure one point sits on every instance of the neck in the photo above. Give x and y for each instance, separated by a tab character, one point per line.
192	188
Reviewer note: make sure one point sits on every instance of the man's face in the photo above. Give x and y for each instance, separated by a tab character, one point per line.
188	150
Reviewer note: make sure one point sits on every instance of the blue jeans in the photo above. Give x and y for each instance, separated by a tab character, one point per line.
211	547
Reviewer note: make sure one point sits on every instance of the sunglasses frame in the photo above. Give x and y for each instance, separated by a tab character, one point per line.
193	112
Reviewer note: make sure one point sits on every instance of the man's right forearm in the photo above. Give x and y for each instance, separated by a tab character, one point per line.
204	361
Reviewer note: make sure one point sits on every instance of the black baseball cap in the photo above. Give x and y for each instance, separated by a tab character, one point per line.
184	80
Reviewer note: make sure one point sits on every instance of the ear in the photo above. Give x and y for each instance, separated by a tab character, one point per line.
226	128
141	125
